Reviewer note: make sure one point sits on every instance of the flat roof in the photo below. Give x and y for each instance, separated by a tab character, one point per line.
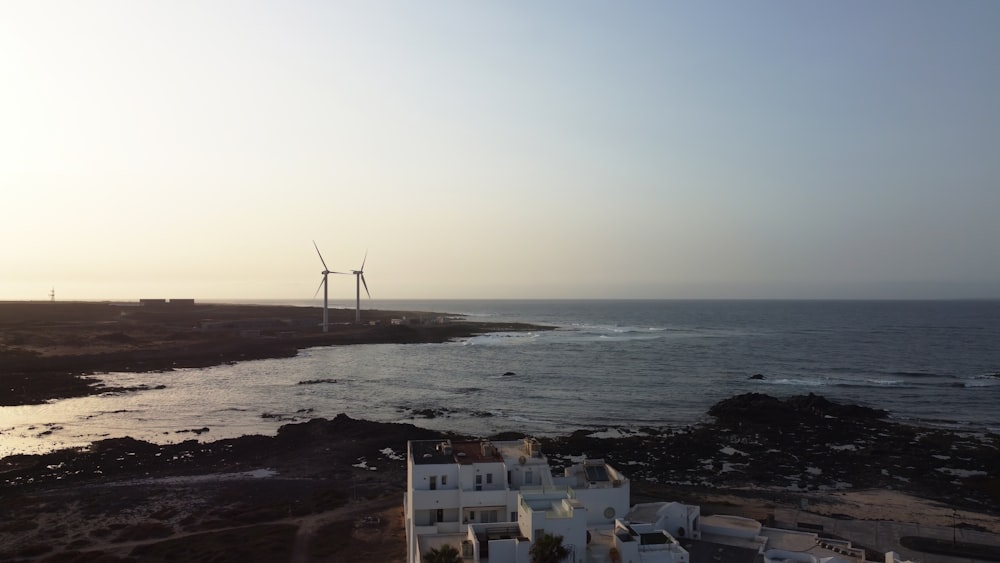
430	452
513	451
472	452
701	550
435	452
730	521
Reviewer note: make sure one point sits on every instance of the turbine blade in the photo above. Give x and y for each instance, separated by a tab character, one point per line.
320	256
363	261
365	284
321	282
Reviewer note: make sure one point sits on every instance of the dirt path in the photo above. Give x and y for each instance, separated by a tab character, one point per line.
206	521
382	508
302	520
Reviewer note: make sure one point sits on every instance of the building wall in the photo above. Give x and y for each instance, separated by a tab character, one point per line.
483	477
503	550
598	501
442	477
436	499
569	523
680	520
486	514
537	470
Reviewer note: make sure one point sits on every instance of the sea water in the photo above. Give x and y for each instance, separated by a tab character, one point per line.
606	364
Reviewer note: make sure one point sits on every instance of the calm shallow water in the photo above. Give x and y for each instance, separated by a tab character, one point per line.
609	363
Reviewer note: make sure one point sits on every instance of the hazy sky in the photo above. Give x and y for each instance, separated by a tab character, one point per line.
500	149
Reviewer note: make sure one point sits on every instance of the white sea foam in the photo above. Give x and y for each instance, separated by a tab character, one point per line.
884	381
612	433
391	454
362	463
793	381
977	383
961	472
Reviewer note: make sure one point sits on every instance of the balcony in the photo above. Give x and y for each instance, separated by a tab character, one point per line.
424	500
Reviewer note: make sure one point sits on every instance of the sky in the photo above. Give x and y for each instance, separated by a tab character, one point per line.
559	149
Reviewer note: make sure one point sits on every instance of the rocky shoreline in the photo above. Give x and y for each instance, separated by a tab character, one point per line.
324	489
48	350
806	444
756	447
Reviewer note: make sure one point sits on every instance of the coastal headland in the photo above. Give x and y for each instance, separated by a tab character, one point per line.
48	349
331	489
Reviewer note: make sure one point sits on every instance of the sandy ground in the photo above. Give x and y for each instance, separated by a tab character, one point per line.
223	518
209	518
871	505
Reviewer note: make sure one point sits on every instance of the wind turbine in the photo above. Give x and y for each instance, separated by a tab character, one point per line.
359	278
326	294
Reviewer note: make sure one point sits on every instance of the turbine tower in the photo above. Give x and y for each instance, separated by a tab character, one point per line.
359	278
326	294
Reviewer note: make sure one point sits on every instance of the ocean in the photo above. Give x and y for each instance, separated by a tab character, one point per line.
616	364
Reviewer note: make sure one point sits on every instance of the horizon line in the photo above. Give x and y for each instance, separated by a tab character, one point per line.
250	300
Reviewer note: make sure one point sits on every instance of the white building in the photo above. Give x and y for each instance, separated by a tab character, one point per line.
647	544
493	499
770	545
680	520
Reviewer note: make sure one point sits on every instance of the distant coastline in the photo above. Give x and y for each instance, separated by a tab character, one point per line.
48	349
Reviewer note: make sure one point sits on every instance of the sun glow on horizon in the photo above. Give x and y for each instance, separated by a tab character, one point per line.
499	150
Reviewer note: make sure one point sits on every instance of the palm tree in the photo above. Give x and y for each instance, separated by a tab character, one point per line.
445	554
548	549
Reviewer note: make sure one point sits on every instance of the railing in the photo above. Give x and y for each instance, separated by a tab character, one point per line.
570	493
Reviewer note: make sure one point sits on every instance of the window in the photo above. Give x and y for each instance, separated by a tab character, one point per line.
479	482
472	515
444	480
528	477
434	482
489	478
440	515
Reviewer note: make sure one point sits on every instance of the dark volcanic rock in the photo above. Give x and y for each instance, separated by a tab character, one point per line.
814	445
803	443
758	408
319	446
